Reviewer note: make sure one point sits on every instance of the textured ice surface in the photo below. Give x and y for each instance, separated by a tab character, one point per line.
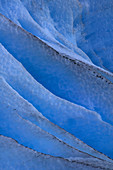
13	123
81	29
97	18
45	79
89	124
41	19
16	156
66	79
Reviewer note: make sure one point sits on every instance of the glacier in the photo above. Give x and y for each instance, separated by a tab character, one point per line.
56	84
33	160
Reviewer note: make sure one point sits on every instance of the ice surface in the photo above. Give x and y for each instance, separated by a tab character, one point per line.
25	158
13	125
40	18
56	69
97	17
25	132
82	29
47	78
66	79
88	124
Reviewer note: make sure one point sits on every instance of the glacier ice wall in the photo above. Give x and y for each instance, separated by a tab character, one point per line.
56	83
